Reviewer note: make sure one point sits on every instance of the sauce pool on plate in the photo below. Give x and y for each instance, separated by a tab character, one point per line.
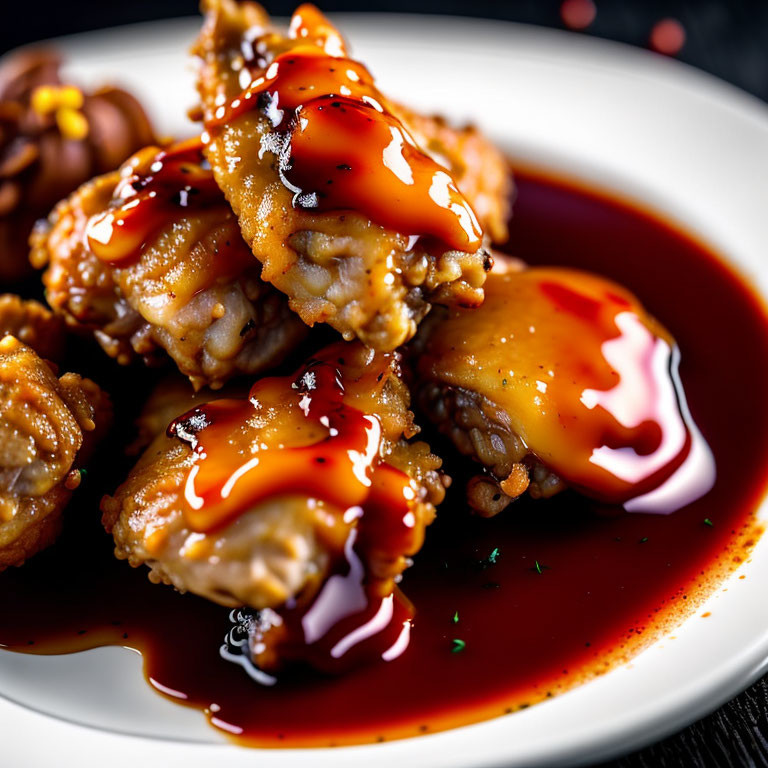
509	610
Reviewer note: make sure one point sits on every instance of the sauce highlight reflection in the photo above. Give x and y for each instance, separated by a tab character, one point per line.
156	186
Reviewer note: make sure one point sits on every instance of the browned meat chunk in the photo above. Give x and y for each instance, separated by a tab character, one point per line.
177	278
32	324
48	426
350	216
480	429
563	378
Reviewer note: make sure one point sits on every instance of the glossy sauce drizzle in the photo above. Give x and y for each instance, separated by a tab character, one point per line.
297	435
339	145
175	179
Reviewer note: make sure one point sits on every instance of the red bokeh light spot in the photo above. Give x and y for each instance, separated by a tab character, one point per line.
578	14
668	37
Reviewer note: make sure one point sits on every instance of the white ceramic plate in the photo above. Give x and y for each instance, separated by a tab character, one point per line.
651	129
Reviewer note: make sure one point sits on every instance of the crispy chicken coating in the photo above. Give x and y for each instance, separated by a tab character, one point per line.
333	213
189	289
261	559
32	324
285	541
48	427
480	429
53	137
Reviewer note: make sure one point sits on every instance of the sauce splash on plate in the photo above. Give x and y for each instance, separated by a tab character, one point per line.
540	598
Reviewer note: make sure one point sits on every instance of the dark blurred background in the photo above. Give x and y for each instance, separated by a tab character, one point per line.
728	38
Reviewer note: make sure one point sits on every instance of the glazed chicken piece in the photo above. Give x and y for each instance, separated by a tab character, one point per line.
308	484
562	378
150	259
53	137
33	325
350	217
48	427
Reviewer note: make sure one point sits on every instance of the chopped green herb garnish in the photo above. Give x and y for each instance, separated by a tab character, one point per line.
486	562
458	645
644	539
538	567
83	472
708	522
456	617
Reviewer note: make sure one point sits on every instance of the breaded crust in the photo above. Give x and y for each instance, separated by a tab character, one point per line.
48	427
176	297
32	324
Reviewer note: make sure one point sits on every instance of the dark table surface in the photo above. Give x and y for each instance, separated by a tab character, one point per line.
727	39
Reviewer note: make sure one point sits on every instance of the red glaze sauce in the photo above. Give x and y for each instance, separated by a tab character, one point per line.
335	463
589	382
322	447
144	202
606	582
340	147
355	620
309	23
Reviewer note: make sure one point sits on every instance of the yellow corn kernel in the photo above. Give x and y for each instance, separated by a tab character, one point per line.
45	99
72	124
70	96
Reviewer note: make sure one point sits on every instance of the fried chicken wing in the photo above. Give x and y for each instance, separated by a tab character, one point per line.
264	501
151	260
48	426
350	217
53	137
562	378
33	325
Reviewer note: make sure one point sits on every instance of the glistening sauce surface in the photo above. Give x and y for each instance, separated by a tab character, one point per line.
546	594
144	200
